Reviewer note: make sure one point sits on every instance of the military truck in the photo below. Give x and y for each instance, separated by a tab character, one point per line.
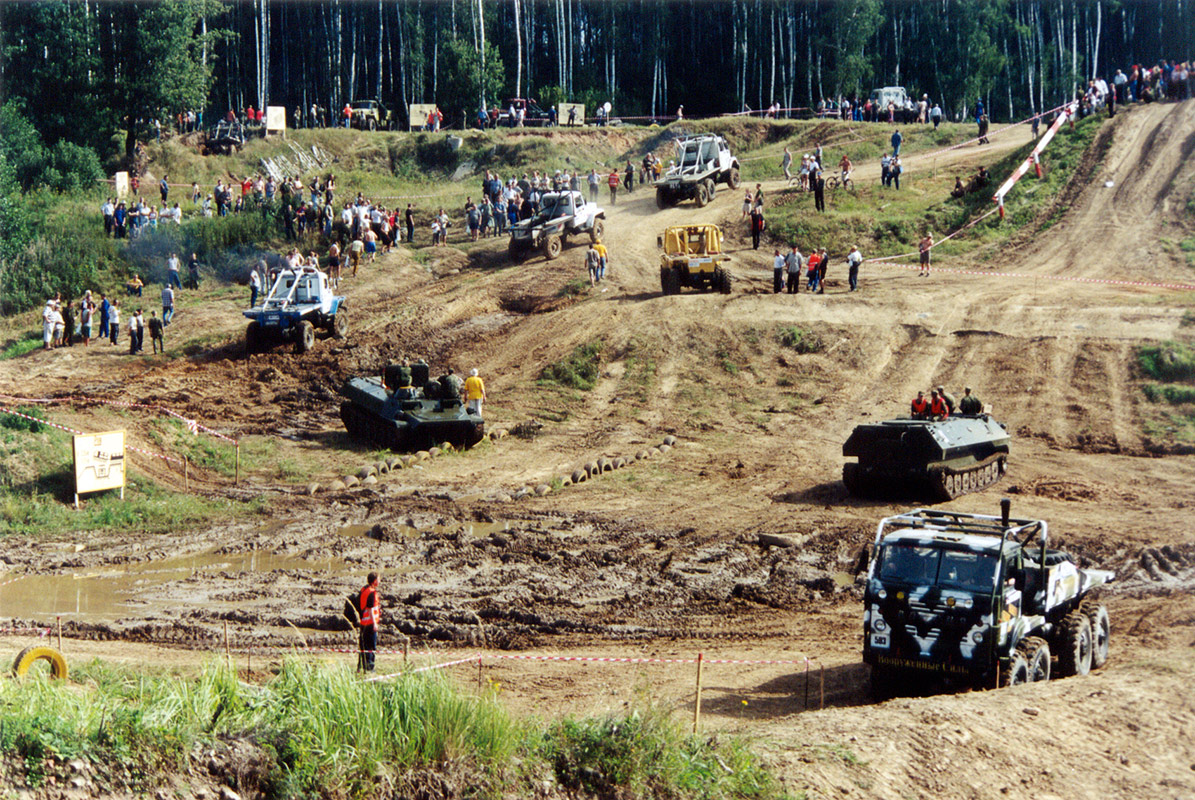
702	162
299	301
421	415
977	600
371	115
693	257
561	214
932	459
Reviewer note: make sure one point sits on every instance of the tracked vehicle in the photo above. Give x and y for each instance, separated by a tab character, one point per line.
977	600
409	417
937	460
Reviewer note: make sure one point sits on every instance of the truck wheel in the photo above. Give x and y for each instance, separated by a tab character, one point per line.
664	279
1097	614
253	337
552	247
304	337
373	124
1074	644
703	195
595	233
340	325
722	280
1018	670
733	180
711	187
1037	654
662	198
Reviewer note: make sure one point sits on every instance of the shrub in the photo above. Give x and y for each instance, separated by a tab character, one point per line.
801	340
578	371
1169	361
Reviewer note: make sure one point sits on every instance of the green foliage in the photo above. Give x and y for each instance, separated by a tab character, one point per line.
580	370
1169	361
468	84
800	339
15	423
853	23
1174	394
22	345
63	167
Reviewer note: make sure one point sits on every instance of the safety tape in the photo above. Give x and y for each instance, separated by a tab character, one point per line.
1030	276
193	425
162	456
589	659
43	632
391	676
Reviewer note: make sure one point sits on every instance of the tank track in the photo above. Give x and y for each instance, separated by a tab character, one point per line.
361	424
941	483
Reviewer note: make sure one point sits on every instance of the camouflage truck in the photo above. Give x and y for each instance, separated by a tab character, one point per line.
977	600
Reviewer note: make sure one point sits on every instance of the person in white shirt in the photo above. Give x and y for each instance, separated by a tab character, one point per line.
778	273
254	287
853	260
47	324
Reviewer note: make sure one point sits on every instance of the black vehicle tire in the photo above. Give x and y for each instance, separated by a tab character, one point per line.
518	253
703	195
884	684
304	337
340	325
669	280
721	280
1074	644
552	247
850	478
663	200
253	338
1097	615
733	180
711	186
373	124
1018	670
1037	655
595	233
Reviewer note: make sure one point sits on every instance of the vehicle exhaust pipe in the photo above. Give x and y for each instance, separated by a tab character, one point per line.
1005	507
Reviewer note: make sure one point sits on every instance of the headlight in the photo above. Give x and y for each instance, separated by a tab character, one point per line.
977	637
882	594
879	626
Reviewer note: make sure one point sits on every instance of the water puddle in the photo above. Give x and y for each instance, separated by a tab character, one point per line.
472	529
107	591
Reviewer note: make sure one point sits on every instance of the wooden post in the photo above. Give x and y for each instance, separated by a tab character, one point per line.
59	622
227	654
186	474
406	649
479	673
697	697
822	689
238	463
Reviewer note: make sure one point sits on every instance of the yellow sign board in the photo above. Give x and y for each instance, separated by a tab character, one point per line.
275	120
99	463
417	115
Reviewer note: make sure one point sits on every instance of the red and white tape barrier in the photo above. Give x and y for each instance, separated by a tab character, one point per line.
15	413
1032	160
192	425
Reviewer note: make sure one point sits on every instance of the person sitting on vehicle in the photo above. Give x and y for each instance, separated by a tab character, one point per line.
938	409
969	403
919	408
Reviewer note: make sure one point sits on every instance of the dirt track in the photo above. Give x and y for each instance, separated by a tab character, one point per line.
663	557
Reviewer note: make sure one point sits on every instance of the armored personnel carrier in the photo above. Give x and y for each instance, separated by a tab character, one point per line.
408	418
934	459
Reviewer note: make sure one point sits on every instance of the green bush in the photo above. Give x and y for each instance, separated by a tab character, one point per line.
1169	361
1174	394
580	370
15	423
801	340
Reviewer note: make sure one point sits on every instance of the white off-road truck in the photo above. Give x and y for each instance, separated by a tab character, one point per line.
560	215
702	162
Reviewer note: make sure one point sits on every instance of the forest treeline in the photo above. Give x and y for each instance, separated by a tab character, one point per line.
84	69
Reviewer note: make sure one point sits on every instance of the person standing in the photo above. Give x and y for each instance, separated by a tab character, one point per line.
108	209
777	273
896	142
255	286
474	392
114	322
105	308
885	169
811	271
592	264
895	170
86	310
823	266
409	218
612	182
757	226
853	260
786	164
172	266
923	247
794	261
68	324
370	609
356	248
935	115
819	191
603	260
157	334
629	177
164	188
193	272
969	404
167	305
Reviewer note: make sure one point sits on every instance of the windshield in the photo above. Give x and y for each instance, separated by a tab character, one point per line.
956	569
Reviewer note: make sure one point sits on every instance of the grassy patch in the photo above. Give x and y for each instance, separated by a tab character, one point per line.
1169	361
801	339
21	345
323	733
574	287
580	370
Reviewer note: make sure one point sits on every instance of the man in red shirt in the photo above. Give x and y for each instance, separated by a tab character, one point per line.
371	616
613	182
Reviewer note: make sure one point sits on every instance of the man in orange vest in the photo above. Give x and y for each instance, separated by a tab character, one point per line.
613	183
920	406
937	406
371	615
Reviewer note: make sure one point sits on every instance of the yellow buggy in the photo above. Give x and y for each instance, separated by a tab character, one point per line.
693	257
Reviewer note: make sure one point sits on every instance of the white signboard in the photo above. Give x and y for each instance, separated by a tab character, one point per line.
275	120
122	184
99	463
417	114
562	112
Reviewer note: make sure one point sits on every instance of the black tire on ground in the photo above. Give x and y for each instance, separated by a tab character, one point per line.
518	253
373	124
703	195
253	337
711	186
1037	654
663	198
1018	670
340	324
1097	614
850	478
669	280
304	337
721	280
595	233
733	179
552	247
1074	644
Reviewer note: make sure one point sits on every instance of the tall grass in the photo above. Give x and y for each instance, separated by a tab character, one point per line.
580	370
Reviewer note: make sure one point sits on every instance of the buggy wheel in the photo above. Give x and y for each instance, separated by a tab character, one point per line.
721	280
703	195
711	187
1098	615
1037	654
340	325
595	233
733	180
552	247
1017	672
304	337
662	199
253	338
1074	644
